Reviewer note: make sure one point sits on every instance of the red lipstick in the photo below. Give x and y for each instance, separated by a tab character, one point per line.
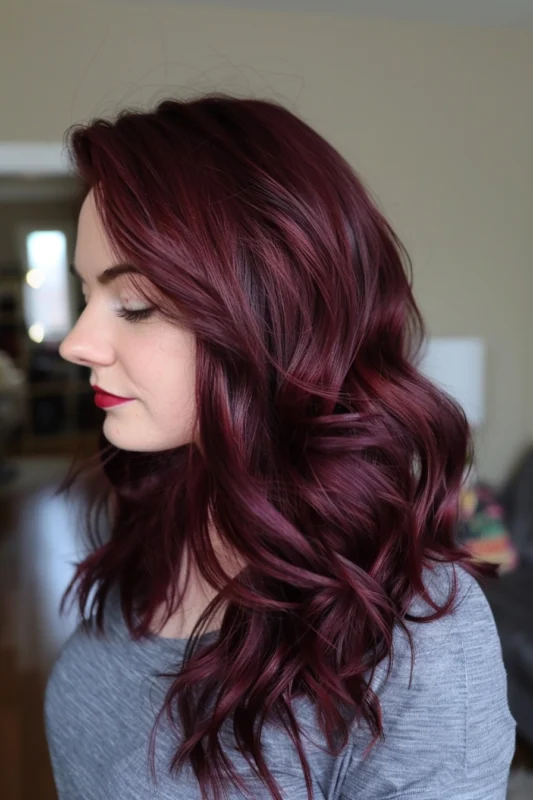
105	399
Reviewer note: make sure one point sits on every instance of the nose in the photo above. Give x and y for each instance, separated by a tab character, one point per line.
87	344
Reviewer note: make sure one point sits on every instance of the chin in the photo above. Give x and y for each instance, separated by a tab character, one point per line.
126	437
122	436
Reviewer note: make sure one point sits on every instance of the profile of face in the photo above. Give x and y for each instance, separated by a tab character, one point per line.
131	350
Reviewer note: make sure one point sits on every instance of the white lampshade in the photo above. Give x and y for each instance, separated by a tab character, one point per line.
457	365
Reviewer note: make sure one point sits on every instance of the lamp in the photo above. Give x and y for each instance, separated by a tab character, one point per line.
457	366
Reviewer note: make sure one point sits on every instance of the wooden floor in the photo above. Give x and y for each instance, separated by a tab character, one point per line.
37	543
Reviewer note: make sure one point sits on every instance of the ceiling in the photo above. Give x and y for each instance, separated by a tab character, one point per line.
515	13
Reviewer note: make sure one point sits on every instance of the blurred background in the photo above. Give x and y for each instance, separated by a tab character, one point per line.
430	102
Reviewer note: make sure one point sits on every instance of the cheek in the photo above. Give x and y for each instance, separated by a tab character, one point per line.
172	407
145	355
165	368
177	386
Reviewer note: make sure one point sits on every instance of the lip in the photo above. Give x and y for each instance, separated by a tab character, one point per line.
105	399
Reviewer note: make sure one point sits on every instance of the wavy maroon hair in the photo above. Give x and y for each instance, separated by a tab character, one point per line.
326	459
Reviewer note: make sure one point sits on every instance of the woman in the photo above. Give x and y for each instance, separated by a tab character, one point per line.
280	610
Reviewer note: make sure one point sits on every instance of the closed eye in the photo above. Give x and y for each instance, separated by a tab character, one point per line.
135	316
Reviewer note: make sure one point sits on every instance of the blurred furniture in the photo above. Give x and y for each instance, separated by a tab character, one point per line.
12	396
57	411
511	597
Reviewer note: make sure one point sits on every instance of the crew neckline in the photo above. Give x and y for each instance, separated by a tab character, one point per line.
163	642
174	641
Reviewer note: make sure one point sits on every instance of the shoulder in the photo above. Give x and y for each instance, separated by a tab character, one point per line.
447	724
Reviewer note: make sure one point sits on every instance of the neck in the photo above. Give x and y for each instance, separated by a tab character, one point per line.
197	596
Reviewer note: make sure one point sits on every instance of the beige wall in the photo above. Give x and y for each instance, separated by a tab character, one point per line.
438	120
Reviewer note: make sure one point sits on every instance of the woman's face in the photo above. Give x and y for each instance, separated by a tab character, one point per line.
144	358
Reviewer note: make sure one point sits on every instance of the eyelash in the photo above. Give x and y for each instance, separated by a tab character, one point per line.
129	314
135	316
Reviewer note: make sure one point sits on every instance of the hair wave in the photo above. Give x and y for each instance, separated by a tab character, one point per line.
325	459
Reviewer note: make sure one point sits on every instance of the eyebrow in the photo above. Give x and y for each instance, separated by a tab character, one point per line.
109	274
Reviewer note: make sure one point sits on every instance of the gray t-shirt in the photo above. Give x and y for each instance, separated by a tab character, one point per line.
450	735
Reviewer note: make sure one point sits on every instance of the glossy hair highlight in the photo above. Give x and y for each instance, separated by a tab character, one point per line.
324	458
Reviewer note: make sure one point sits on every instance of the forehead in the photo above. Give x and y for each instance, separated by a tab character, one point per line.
93	248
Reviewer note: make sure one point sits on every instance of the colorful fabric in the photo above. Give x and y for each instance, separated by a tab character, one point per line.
483	530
